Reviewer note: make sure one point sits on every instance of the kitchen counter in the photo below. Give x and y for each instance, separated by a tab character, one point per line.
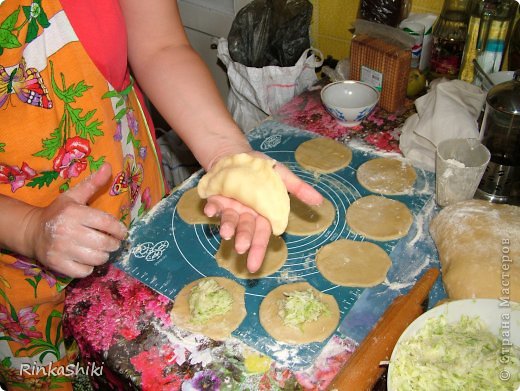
123	325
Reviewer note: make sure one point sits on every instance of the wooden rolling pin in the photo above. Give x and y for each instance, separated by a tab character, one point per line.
362	369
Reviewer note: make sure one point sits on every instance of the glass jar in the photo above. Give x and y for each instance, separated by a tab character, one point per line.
489	28
449	35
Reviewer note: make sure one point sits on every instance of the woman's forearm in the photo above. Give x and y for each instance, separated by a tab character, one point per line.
179	83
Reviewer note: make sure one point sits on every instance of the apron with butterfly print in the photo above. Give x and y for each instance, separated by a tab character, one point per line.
60	120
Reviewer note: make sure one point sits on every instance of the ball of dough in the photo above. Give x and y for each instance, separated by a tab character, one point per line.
309	219
229	259
220	327
353	263
386	176
316	331
479	249
323	155
379	218
252	181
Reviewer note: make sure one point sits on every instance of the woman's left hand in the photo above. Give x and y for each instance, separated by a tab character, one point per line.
251	230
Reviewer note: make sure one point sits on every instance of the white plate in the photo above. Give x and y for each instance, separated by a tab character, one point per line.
491	311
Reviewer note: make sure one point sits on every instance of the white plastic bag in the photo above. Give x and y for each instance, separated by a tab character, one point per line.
256	93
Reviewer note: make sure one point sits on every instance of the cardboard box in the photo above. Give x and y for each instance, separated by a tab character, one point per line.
382	65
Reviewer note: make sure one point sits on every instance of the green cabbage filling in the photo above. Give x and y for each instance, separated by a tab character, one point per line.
207	300
463	355
299	307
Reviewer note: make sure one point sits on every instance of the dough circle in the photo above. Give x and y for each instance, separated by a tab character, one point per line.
379	218
229	259
190	208
220	327
316	331
386	176
352	263
323	155
309	219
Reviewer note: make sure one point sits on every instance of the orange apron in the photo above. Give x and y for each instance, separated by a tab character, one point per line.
60	120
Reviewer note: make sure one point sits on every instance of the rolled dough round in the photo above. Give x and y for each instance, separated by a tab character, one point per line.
479	249
229	259
379	218
316	331
352	263
309	219
220	327
386	176
323	155
190	208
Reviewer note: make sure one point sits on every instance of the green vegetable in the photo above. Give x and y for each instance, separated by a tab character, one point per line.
463	355
299	307
207	300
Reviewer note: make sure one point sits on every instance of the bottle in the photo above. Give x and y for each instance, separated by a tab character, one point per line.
449	35
514	48
489	27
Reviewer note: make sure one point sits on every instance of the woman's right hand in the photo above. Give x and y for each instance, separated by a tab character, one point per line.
69	236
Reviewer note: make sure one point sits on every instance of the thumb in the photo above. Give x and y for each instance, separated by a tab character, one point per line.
83	191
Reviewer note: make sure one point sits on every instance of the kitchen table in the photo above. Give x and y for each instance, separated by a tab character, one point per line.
123	325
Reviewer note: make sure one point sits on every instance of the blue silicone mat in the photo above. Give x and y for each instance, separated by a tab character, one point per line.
166	254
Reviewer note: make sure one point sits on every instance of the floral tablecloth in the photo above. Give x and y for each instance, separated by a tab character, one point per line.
380	129
124	326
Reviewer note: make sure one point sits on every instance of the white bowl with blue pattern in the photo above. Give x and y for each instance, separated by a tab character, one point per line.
349	101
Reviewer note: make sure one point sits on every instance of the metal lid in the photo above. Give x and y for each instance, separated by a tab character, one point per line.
505	97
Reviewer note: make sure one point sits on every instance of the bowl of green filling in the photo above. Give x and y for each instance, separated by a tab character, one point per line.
471	344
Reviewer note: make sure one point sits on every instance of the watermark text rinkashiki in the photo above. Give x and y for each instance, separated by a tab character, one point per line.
70	370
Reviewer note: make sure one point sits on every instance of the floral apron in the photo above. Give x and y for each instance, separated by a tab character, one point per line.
60	120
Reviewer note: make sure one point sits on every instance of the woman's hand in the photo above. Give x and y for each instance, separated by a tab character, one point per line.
70	237
251	230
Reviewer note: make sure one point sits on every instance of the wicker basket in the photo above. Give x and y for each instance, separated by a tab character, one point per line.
383	65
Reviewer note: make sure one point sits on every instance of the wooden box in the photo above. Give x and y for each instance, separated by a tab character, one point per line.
382	65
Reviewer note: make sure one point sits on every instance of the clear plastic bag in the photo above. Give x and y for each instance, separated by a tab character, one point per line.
270	32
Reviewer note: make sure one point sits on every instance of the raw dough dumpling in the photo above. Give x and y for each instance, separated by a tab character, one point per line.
479	249
252	181
323	155
379	218
220	327
386	176
352	263
190	208
316	331
274	259
309	219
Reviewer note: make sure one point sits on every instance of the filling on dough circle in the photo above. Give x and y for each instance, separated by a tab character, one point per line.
276	308
386	176
379	218
229	259
353	263
323	155
188	312
309	219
